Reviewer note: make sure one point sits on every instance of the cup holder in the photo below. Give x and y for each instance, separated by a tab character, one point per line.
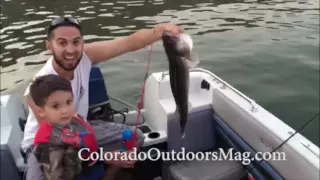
153	135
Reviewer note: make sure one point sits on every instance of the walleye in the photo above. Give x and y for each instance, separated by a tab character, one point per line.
178	50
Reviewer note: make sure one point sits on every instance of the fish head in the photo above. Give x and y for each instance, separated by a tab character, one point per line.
169	40
186	40
181	44
184	46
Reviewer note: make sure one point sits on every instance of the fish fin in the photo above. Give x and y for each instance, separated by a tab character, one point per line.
183	135
189	107
192	61
183	132
177	114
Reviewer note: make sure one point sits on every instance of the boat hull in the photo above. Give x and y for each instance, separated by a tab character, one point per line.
258	129
219	117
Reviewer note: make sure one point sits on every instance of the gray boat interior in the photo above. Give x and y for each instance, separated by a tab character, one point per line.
206	131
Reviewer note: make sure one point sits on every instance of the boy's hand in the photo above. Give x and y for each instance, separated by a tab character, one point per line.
123	160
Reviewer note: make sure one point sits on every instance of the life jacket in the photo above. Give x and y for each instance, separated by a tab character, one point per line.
78	134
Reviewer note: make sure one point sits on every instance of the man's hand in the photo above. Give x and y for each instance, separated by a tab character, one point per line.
118	159
34	109
174	29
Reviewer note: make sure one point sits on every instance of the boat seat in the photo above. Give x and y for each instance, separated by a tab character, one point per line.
99	101
207	170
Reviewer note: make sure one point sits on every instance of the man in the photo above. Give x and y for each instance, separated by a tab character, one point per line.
72	59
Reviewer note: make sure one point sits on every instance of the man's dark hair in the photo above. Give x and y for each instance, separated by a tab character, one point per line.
60	22
43	86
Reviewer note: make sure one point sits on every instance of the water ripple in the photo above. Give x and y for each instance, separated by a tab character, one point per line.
34	30
43	13
255	45
107	4
24	25
18	45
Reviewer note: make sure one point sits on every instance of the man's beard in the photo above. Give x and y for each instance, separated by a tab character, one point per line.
59	62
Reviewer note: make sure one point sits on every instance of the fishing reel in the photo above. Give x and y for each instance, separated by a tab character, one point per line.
106	113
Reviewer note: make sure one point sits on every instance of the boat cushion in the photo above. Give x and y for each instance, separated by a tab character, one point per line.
9	169
97	88
207	170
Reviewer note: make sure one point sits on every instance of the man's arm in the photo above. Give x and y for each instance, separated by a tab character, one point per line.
33	108
105	50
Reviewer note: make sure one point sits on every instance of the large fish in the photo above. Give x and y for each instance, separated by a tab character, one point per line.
178	50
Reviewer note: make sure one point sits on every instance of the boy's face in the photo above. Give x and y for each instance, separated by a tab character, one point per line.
59	108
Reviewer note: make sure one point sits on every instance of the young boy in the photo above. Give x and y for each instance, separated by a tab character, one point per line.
63	133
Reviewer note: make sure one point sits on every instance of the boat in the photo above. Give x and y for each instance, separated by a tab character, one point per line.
222	121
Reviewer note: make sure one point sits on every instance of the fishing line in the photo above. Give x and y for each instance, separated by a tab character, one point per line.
140	105
299	130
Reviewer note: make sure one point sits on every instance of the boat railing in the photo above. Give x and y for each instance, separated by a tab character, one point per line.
225	84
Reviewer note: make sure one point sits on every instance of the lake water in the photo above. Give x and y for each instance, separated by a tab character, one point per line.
269	50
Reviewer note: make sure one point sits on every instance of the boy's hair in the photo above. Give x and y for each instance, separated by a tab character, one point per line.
43	86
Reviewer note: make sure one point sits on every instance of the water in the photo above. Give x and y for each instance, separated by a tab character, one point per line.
269	50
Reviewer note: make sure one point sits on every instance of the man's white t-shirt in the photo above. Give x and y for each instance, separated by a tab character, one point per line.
80	88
